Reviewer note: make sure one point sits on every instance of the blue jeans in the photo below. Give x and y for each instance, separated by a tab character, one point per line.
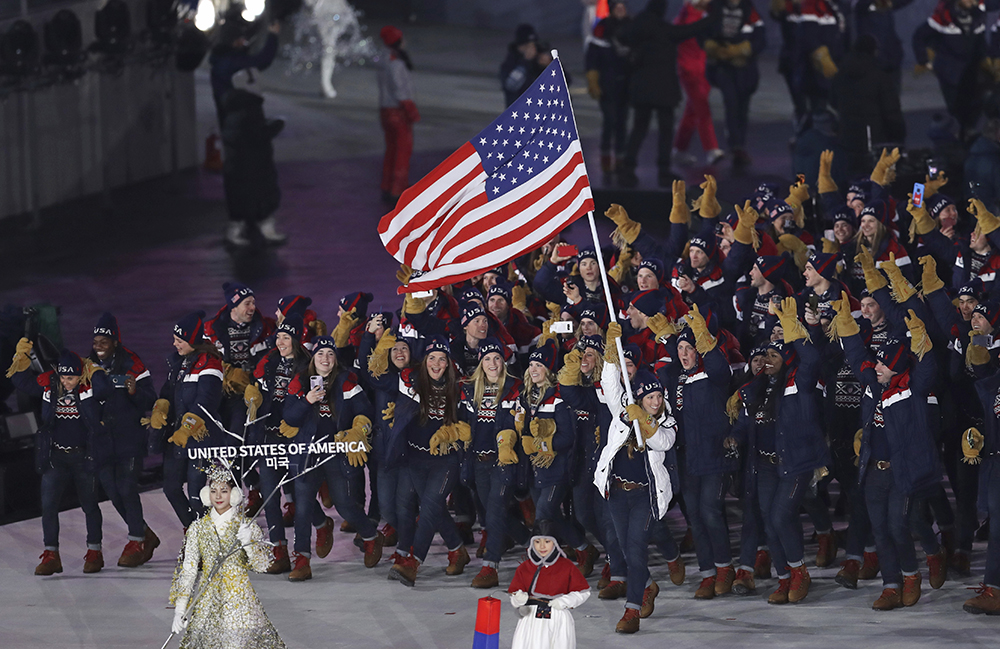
752	532
495	489
387	484
548	507
120	480
780	498
64	468
633	518
992	487
705	496
889	509
427	480
178	469
935	504
342	483
270	477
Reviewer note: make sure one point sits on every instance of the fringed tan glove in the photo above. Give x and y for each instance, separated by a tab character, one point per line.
929	280
378	362
899	286
921	223
570	372
627	230
844	323
341	334
610	348
788	316
285	430
662	327
745	231
874	280
707	204
505	447
825	183
884	171
972	444
647	423
679	212
359	432
704	341
234	379
920	342
22	357
987	222
253	399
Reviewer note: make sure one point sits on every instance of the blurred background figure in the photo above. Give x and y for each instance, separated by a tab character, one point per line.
697	112
398	114
608	66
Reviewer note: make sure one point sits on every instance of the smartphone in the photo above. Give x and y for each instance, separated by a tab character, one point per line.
814	303
562	327
918	195
983	340
118	380
932	168
567	250
973	189
423	294
315	382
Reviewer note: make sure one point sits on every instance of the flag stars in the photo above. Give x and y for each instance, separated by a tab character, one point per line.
513	181
482	141
514	114
517	143
499	128
520	167
531	170
505	142
496	190
545	160
503	177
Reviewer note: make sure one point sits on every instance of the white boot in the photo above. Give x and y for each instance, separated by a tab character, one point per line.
714	156
269	232
236	234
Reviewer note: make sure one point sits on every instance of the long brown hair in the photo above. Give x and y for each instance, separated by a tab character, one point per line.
310	370
425	392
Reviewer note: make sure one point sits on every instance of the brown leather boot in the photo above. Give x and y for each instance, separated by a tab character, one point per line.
614	590
911	589
93	561
629	622
869	567
677	571
724	580
799	588
937	568
301	570
762	565
889	600
706	590
487	578
585	560
605	577
405	570
51	563
373	550
848	575
324	538
131	555
391	538
288	518
457	560
986	601
150	543
649	600
324	495
780	596
827	551
744	584
280	562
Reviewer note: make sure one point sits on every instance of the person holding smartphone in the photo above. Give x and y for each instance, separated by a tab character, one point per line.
333	408
133	396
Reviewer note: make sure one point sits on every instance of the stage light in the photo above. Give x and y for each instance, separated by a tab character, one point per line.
63	39
252	9
19	49
204	19
112	26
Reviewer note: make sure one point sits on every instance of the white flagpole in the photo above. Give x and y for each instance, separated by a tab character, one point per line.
604	274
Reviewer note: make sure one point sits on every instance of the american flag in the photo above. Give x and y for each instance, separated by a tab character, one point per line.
502	194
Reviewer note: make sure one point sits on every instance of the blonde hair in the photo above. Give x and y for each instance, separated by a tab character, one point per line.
479	381
880	234
546	383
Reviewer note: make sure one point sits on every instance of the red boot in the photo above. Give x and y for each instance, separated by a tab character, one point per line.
324	538
93	561
288	518
51	563
605	577
389	532
132	555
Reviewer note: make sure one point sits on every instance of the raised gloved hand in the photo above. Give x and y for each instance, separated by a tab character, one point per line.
234	379
798	193
976	354
922	222
874	280
823	62
929	280
519	598
986	221
570	372
610	348
884	172
244	535
647	423
825	183
180	622
403	274
287	431
342	332
972	444
358	433
22	357
378	362
788	316
679	212
707	204
413	305
704	341
622	265
934	185
899	286
627	230
505	447
844	323
519	298
745	231
253	400
830	247
594	84
158	418
661	326
920	342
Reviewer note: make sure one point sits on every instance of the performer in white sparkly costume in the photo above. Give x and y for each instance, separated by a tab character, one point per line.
333	18
226	613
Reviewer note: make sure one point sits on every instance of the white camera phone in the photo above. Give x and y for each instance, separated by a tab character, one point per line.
315	382
562	327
